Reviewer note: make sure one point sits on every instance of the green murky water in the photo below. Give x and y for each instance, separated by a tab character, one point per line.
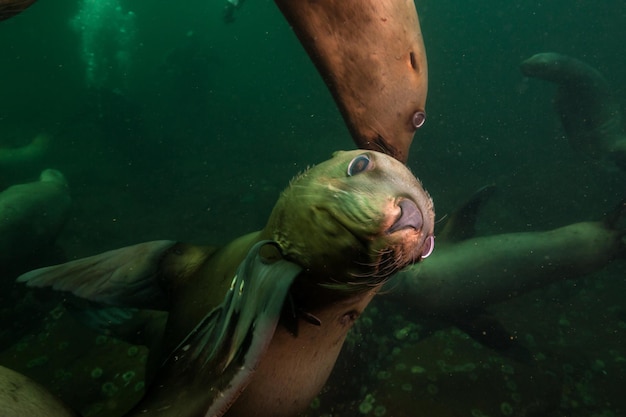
170	123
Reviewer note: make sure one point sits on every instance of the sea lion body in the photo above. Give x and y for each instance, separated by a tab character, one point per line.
585	103
22	397
31	217
302	364
348	223
20	161
371	55
470	275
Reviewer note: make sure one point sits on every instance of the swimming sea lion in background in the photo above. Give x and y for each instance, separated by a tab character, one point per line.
22	397
15	159
590	115
371	55
31	217
9	8
467	274
348	224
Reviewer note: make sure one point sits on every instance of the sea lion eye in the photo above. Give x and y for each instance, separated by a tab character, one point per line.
359	164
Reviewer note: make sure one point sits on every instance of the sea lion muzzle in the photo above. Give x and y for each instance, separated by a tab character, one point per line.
410	217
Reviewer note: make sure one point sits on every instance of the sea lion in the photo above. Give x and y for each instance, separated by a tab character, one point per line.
31	217
15	159
468	274
590	115
371	55
10	8
22	397
348	224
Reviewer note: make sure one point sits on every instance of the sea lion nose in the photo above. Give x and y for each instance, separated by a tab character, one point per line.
410	216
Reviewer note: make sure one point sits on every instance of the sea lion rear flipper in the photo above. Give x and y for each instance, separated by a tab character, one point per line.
224	349
126	277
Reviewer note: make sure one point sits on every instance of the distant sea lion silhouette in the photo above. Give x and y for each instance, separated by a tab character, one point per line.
14	159
590	115
31	217
348	224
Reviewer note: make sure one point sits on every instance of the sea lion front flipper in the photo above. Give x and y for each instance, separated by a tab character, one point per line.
461	224
126	277
585	103
371	55
224	349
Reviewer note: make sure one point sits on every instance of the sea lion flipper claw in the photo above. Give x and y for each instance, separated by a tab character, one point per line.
125	277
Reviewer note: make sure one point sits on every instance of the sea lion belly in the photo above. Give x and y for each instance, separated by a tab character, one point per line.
295	367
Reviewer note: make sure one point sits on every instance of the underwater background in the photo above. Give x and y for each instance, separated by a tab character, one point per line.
170	123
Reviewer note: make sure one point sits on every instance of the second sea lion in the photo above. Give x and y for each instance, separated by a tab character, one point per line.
469	273
371	55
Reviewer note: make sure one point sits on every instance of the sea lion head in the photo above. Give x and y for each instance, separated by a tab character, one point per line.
354	220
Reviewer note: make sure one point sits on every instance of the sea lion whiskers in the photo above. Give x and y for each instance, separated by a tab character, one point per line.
386	262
